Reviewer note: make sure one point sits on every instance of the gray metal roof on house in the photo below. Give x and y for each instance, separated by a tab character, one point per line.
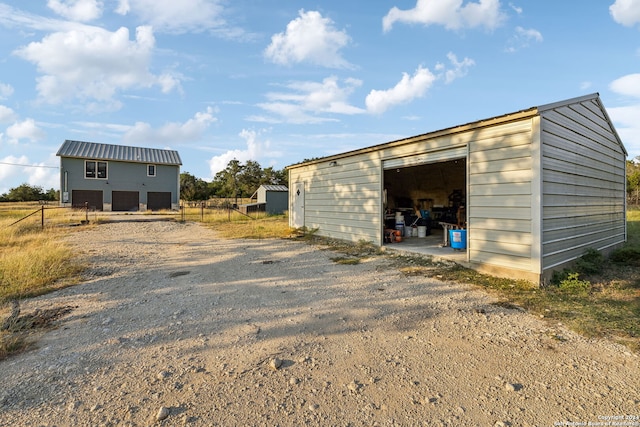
122	153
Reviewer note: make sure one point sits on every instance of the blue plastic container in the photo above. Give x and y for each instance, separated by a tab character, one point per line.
458	239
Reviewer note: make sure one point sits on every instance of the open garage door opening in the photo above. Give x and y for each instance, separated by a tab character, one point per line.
423	202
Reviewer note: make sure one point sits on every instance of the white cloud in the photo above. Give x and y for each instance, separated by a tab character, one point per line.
515	8
309	38
626	122
123	7
9	169
628	85
77	10
460	68
306	102
410	88
625	12
177	16
26	129
93	64
6	91
407	89
7	115
172	133
256	149
523	38
46	176
451	14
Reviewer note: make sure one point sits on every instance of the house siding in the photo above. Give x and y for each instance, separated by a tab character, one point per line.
499	210
121	176
346	203
583	172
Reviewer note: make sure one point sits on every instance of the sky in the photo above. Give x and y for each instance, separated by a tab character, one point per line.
281	81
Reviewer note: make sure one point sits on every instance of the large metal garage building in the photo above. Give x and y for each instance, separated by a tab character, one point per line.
537	187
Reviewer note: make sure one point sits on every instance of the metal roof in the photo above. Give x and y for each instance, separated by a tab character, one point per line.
530	112
122	153
269	187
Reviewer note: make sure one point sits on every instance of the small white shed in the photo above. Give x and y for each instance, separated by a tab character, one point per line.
538	187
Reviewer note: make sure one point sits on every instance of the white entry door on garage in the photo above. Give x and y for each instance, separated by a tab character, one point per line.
297	213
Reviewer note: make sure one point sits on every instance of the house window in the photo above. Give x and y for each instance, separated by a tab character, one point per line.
151	170
94	169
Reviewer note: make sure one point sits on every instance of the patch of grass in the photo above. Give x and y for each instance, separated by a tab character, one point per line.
235	225
12	343
241	227
591	306
32	261
604	304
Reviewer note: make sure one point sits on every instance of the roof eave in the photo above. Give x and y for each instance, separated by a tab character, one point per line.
519	115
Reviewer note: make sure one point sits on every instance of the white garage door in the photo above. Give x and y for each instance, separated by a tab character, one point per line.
424	158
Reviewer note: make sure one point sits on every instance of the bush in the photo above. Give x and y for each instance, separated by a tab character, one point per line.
627	256
592	262
572	284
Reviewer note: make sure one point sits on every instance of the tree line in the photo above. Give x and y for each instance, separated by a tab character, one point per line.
29	193
633	181
237	180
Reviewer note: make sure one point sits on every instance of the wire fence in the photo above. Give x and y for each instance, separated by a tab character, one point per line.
71	213
215	210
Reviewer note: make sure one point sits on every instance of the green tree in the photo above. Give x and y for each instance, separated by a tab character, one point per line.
274	177
242	180
250	178
633	181
229	179
192	188
52	195
26	193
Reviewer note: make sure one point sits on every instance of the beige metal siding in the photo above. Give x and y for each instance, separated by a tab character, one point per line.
343	201
583	172
499	211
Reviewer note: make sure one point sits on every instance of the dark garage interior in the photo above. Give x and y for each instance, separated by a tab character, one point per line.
424	200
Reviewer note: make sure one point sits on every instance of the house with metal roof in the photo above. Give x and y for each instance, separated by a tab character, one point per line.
109	177
526	192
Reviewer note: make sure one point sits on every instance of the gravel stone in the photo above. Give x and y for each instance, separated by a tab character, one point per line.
142	338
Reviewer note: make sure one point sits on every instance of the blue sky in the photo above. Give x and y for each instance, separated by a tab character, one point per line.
280	81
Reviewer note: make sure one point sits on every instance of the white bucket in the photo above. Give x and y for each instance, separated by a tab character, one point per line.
399	217
414	231
422	231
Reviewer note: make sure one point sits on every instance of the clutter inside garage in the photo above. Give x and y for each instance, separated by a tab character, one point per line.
425	200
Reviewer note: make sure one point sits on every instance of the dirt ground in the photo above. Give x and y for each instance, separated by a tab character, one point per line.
175	326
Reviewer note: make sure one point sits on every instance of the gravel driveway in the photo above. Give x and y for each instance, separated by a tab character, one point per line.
175	326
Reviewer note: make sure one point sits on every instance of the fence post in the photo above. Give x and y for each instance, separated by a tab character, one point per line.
42	218
86	212
202	212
